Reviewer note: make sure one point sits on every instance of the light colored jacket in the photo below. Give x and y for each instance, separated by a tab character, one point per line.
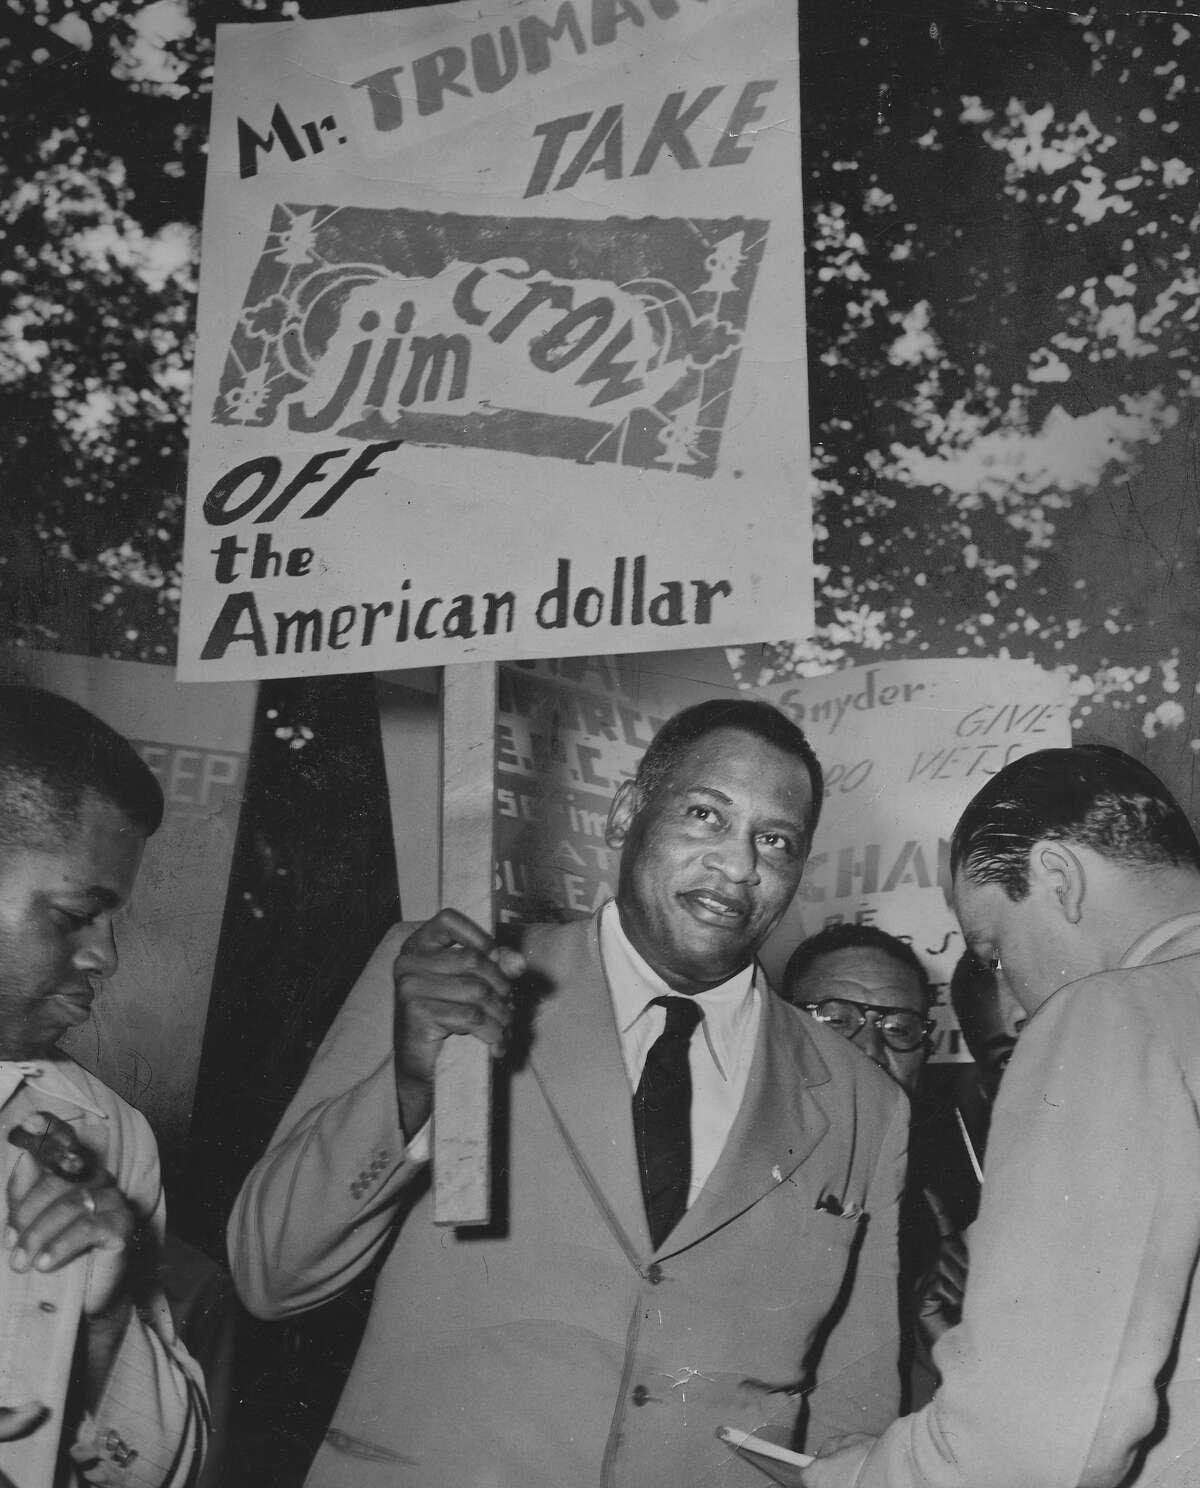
151	1423
1077	1362
556	1349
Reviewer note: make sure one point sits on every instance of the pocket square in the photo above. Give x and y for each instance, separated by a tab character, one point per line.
831	1204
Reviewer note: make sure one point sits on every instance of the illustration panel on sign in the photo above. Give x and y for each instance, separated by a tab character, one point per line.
615	341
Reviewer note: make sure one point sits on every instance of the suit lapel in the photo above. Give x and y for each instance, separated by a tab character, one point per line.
576	1057
779	1124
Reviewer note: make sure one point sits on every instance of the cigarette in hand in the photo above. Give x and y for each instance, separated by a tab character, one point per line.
743	1441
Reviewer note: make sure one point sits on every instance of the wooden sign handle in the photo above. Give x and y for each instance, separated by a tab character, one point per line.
462	1088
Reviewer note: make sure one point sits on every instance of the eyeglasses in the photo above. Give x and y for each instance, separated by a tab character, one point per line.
900	1028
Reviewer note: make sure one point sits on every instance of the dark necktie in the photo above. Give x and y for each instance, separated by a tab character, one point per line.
662	1117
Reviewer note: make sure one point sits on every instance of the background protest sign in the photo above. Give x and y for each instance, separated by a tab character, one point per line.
568	733
501	343
904	746
147	1026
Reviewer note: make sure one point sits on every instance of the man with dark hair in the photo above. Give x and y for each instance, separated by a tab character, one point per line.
53	754
702	1182
748	716
93	1383
1077	880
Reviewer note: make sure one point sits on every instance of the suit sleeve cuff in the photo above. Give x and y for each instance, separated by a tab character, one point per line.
150	1426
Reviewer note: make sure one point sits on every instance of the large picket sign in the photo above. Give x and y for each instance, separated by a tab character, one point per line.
501	342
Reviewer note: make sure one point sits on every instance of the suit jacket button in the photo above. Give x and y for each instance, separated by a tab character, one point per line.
640	1395
654	1273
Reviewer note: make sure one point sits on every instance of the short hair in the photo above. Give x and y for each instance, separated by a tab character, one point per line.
1092	795
845	936
746	716
52	754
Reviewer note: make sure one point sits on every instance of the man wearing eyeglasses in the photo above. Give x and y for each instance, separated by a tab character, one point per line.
869	987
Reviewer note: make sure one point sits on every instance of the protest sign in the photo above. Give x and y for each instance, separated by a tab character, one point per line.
147	1026
501	344
905	745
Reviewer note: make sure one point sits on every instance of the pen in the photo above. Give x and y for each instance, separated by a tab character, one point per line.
970	1146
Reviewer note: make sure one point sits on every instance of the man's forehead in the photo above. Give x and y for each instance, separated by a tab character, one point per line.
728	760
863	973
105	850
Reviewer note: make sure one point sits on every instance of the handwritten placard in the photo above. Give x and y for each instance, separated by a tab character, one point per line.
501	341
905	745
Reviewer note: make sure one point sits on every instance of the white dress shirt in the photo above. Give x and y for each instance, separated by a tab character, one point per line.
720	1052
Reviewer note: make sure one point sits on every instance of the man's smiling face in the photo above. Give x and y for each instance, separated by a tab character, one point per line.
711	860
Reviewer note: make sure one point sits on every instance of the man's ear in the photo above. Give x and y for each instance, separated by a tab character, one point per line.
621	814
1058	870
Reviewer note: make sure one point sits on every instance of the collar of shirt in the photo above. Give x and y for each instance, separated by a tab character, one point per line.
1160	938
47	1076
729	1009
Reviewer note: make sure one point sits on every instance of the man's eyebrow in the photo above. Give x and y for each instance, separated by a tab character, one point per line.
708	790
789	823
792	823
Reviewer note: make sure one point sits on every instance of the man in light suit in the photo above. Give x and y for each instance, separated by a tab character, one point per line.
564	1346
1077	879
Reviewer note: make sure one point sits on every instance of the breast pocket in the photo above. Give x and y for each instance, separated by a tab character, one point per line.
829	1248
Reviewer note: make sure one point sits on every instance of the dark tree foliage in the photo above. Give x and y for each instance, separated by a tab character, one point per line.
1002	297
101	190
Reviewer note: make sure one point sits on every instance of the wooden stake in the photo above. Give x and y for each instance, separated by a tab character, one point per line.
462	1087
